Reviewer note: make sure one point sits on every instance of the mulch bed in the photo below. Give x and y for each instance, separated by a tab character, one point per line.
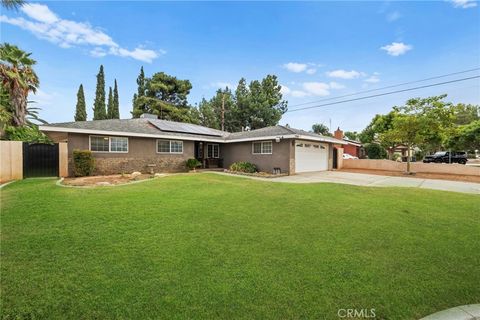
257	174
439	176
104	180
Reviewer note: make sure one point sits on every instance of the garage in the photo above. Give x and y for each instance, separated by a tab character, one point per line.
310	156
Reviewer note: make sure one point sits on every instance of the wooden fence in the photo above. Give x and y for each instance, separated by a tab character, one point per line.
11	160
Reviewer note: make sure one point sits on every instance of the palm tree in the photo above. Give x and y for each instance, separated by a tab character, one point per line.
12	4
18	79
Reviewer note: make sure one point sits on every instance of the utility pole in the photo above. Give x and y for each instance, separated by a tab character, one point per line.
223	111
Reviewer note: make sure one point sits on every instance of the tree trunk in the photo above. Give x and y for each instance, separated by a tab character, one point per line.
408	159
19	102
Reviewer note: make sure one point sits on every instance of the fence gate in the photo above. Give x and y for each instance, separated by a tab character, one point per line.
335	158
40	160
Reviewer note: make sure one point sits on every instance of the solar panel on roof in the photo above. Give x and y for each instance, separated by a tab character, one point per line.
185	128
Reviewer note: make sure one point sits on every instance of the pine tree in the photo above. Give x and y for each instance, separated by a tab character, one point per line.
80	110
99	110
116	103
142	88
110	103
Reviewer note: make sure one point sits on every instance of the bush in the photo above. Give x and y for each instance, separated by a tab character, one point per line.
83	163
243	167
193	163
26	134
375	151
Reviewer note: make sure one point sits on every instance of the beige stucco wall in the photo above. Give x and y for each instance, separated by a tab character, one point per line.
242	151
142	152
11	160
419	167
340	158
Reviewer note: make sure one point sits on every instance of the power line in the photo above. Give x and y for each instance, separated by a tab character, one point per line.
385	93
387	87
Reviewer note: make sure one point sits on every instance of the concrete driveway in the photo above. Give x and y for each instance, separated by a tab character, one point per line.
370	180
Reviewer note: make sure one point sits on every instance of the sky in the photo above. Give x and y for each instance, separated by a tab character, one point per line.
318	50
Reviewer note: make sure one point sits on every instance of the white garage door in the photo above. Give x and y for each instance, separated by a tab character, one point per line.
310	156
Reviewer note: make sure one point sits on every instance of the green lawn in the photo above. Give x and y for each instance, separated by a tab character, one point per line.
210	246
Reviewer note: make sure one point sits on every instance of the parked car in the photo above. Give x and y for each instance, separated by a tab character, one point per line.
445	157
349	156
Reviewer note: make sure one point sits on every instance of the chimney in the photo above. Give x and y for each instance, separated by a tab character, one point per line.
338	134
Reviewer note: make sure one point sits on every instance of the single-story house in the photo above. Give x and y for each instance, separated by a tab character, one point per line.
352	147
148	144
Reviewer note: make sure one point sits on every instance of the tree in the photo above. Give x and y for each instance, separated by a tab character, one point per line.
465	137
466	113
242	97
375	151
351	135
223	106
80	109
320	128
18	79
110	103
407	129
165	96
266	106
207	115
99	108
141	91
12	4
116	102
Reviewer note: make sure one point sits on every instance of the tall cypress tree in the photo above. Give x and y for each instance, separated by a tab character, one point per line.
110	103
80	109
142	87
99	111
116	103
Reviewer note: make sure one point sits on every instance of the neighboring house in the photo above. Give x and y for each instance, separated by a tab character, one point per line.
148	144
352	147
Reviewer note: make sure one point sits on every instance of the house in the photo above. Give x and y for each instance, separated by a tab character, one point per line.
351	147
148	144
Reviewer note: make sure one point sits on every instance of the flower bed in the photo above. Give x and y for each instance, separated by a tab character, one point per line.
257	174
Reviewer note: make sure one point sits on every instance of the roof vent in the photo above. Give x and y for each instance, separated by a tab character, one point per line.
148	116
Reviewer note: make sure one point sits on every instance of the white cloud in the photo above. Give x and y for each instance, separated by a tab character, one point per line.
372	79
312	89
299	93
393	16
39	12
397	48
336	85
343	74
295	67
317	88
464	4
45	24
311	71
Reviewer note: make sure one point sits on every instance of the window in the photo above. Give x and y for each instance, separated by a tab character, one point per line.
108	144
307	145
300	145
99	144
316	146
264	147
213	151
118	144
169	146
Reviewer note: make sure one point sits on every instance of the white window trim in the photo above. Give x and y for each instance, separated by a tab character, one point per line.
261	147
169	146
213	153
109	144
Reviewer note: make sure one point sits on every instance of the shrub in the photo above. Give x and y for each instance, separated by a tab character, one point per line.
243	167
375	151
83	163
193	163
28	134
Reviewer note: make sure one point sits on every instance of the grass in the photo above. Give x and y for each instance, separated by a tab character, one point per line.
210	246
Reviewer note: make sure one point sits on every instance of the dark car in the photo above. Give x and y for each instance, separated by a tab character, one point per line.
445	157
